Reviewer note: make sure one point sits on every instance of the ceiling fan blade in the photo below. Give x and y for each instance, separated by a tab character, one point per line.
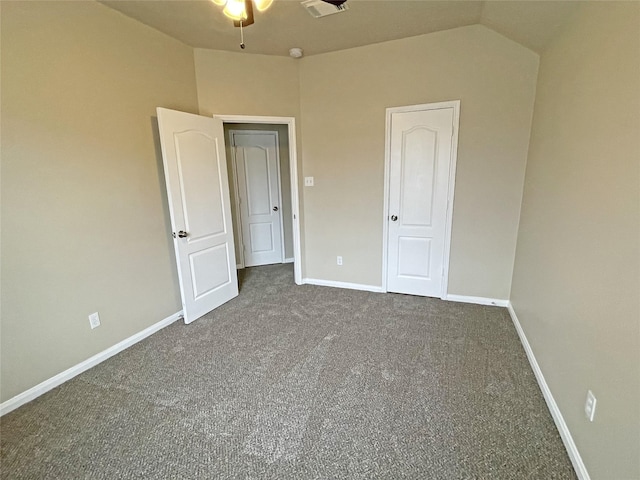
337	3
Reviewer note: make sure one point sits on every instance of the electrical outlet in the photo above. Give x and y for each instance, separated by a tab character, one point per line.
308	181
590	406
94	320
339	260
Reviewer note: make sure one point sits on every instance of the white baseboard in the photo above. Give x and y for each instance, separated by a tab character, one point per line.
53	382
477	300
349	286
565	434
288	260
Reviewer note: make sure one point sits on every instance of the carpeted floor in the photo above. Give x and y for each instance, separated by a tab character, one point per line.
300	382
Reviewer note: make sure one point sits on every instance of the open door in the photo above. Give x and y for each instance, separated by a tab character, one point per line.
195	171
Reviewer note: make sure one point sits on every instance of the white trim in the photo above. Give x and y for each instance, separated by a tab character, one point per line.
385	207
236	198
288	260
59	379
293	167
239	266
295	206
452	188
455	105
253	119
278	161
565	434
477	300
349	286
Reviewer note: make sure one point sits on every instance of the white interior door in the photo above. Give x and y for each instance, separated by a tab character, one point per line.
420	158
258	186
198	190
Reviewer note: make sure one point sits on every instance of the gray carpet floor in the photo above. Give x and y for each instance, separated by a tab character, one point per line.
300	382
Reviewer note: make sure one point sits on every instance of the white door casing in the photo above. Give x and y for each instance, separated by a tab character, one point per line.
420	170
293	173
195	171
257	169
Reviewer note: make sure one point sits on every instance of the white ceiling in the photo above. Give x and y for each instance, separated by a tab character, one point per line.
200	23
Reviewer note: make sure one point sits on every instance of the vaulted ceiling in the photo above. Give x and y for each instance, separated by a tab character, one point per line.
201	24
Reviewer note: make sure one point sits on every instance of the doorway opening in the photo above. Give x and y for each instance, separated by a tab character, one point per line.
263	179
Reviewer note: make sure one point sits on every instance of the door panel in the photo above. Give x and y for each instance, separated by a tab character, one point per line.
205	274
199	185
414	256
199	204
418	174
257	181
261	237
256	162
420	159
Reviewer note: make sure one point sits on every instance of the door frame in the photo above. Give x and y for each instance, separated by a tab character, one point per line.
236	199
455	104
293	170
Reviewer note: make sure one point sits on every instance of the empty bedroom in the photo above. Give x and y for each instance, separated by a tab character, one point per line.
346	239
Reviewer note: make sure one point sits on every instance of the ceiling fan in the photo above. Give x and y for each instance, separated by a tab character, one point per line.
241	11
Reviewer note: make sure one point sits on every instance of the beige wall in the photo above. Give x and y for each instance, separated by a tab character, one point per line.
85	226
240	83
285	181
343	100
576	280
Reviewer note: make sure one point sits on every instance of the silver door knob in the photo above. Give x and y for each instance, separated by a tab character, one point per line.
394	218
182	234
275	209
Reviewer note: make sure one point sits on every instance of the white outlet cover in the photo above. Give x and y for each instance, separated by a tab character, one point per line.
308	181
590	406
94	320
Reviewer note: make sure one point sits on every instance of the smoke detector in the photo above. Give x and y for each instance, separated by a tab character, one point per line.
295	52
320	8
